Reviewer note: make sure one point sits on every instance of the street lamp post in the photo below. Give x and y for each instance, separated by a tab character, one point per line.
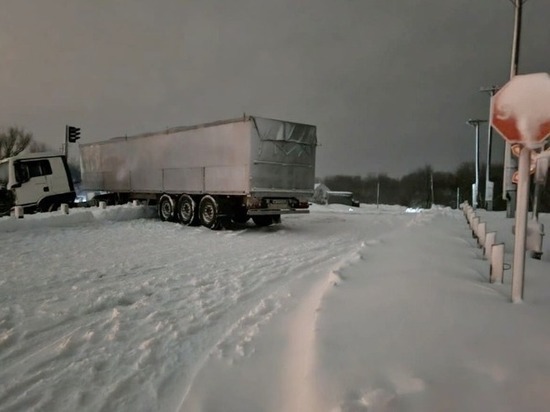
475	192
488	184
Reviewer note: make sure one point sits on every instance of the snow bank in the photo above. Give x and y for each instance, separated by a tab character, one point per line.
76	217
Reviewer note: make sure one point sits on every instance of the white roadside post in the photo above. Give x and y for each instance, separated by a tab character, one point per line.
481	230
490	240
475	224
18	212
520	112
470	214
65	208
497	263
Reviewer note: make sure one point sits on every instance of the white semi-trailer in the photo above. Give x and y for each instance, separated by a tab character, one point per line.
210	173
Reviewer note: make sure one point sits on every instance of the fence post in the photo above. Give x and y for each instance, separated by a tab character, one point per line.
19	212
474	225
497	263
481	230
470	215
490	240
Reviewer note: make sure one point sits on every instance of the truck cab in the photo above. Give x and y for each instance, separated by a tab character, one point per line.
38	182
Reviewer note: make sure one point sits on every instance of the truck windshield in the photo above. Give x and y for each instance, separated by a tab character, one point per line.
4	175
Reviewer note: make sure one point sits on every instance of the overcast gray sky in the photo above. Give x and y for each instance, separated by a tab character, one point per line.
389	83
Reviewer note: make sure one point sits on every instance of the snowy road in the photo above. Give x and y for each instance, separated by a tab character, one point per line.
341	310
120	315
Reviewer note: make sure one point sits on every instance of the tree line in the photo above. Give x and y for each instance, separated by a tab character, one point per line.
15	139
424	187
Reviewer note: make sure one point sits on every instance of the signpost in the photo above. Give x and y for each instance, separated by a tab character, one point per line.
520	112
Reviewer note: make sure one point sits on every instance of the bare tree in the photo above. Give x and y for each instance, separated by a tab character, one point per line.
14	141
38	147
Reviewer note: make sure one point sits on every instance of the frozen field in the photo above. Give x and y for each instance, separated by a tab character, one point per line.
340	310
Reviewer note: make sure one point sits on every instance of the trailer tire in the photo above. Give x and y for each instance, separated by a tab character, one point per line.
166	208
186	210
208	213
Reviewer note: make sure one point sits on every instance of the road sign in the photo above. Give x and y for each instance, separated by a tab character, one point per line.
520	111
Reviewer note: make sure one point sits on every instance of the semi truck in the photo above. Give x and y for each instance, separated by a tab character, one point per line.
209	174
38	182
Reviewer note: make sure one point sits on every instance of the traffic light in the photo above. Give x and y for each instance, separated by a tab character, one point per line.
72	133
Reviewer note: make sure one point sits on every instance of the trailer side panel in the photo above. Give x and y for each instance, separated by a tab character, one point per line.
211	159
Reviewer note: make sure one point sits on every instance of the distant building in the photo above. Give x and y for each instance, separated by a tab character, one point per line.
323	195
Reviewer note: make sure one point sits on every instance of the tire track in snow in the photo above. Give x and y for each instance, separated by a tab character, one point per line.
307	261
300	391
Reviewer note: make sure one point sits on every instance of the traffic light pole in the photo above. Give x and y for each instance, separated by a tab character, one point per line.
66	147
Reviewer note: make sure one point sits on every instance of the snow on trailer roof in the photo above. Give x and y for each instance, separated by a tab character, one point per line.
339	193
178	129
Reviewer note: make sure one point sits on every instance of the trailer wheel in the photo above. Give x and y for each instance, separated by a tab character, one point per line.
208	213
186	210
262	220
166	208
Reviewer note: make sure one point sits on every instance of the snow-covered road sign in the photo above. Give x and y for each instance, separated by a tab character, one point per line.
520	111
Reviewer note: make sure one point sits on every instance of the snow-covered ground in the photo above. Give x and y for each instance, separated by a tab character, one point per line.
345	309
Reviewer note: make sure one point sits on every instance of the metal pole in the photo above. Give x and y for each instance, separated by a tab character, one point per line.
475	194
477	163
510	164
518	274
378	194
66	148
488	184
539	187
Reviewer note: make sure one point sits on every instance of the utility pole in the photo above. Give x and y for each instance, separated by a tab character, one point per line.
488	184
475	192
540	182
509	192
378	193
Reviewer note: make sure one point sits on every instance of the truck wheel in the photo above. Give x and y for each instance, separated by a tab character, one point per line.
262	221
186	210
208	213
166	208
